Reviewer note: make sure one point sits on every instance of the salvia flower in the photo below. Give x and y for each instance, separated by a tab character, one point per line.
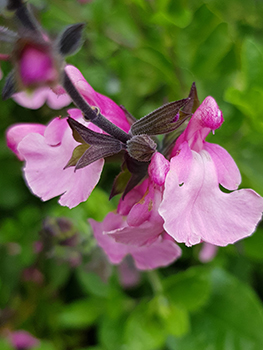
194	208
175	188
46	150
137	227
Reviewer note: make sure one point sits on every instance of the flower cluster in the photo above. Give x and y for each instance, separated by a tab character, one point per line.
180	190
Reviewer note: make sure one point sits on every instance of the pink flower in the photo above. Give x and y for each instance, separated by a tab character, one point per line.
194	208
47	149
46	152
137	228
21	340
160	252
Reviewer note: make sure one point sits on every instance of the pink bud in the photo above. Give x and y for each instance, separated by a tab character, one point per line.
158	168
36	67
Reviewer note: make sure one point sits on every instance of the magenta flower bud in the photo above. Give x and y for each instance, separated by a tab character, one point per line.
37	67
22	340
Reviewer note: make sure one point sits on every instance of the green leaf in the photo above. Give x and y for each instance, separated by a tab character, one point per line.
190	289
77	154
175	320
212	51
144	331
253	245
111	333
4	345
80	314
232	319
45	345
92	283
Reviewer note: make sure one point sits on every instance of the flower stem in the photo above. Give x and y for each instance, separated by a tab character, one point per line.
155	282
94	117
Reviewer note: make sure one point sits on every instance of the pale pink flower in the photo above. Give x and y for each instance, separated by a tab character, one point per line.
194	208
46	154
137	228
160	252
47	149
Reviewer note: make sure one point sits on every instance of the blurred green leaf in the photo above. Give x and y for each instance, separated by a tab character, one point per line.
92	283
81	313
175	320
253	245
211	52
189	290
111	332
4	345
233	318
45	345
143	330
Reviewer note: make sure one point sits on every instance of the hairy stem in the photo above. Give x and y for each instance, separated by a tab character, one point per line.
89	113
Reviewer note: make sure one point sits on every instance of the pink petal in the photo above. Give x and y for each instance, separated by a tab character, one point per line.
107	107
55	131
198	210
57	101
158	168
147	207
17	132
38	97
159	254
227	170
33	100
115	251
137	235
44	171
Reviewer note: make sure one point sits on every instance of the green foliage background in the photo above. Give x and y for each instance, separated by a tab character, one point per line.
141	53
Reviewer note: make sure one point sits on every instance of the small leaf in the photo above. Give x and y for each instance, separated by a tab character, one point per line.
163	120
10	86
120	182
7	35
94	153
70	39
139	170
188	109
77	154
91	137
